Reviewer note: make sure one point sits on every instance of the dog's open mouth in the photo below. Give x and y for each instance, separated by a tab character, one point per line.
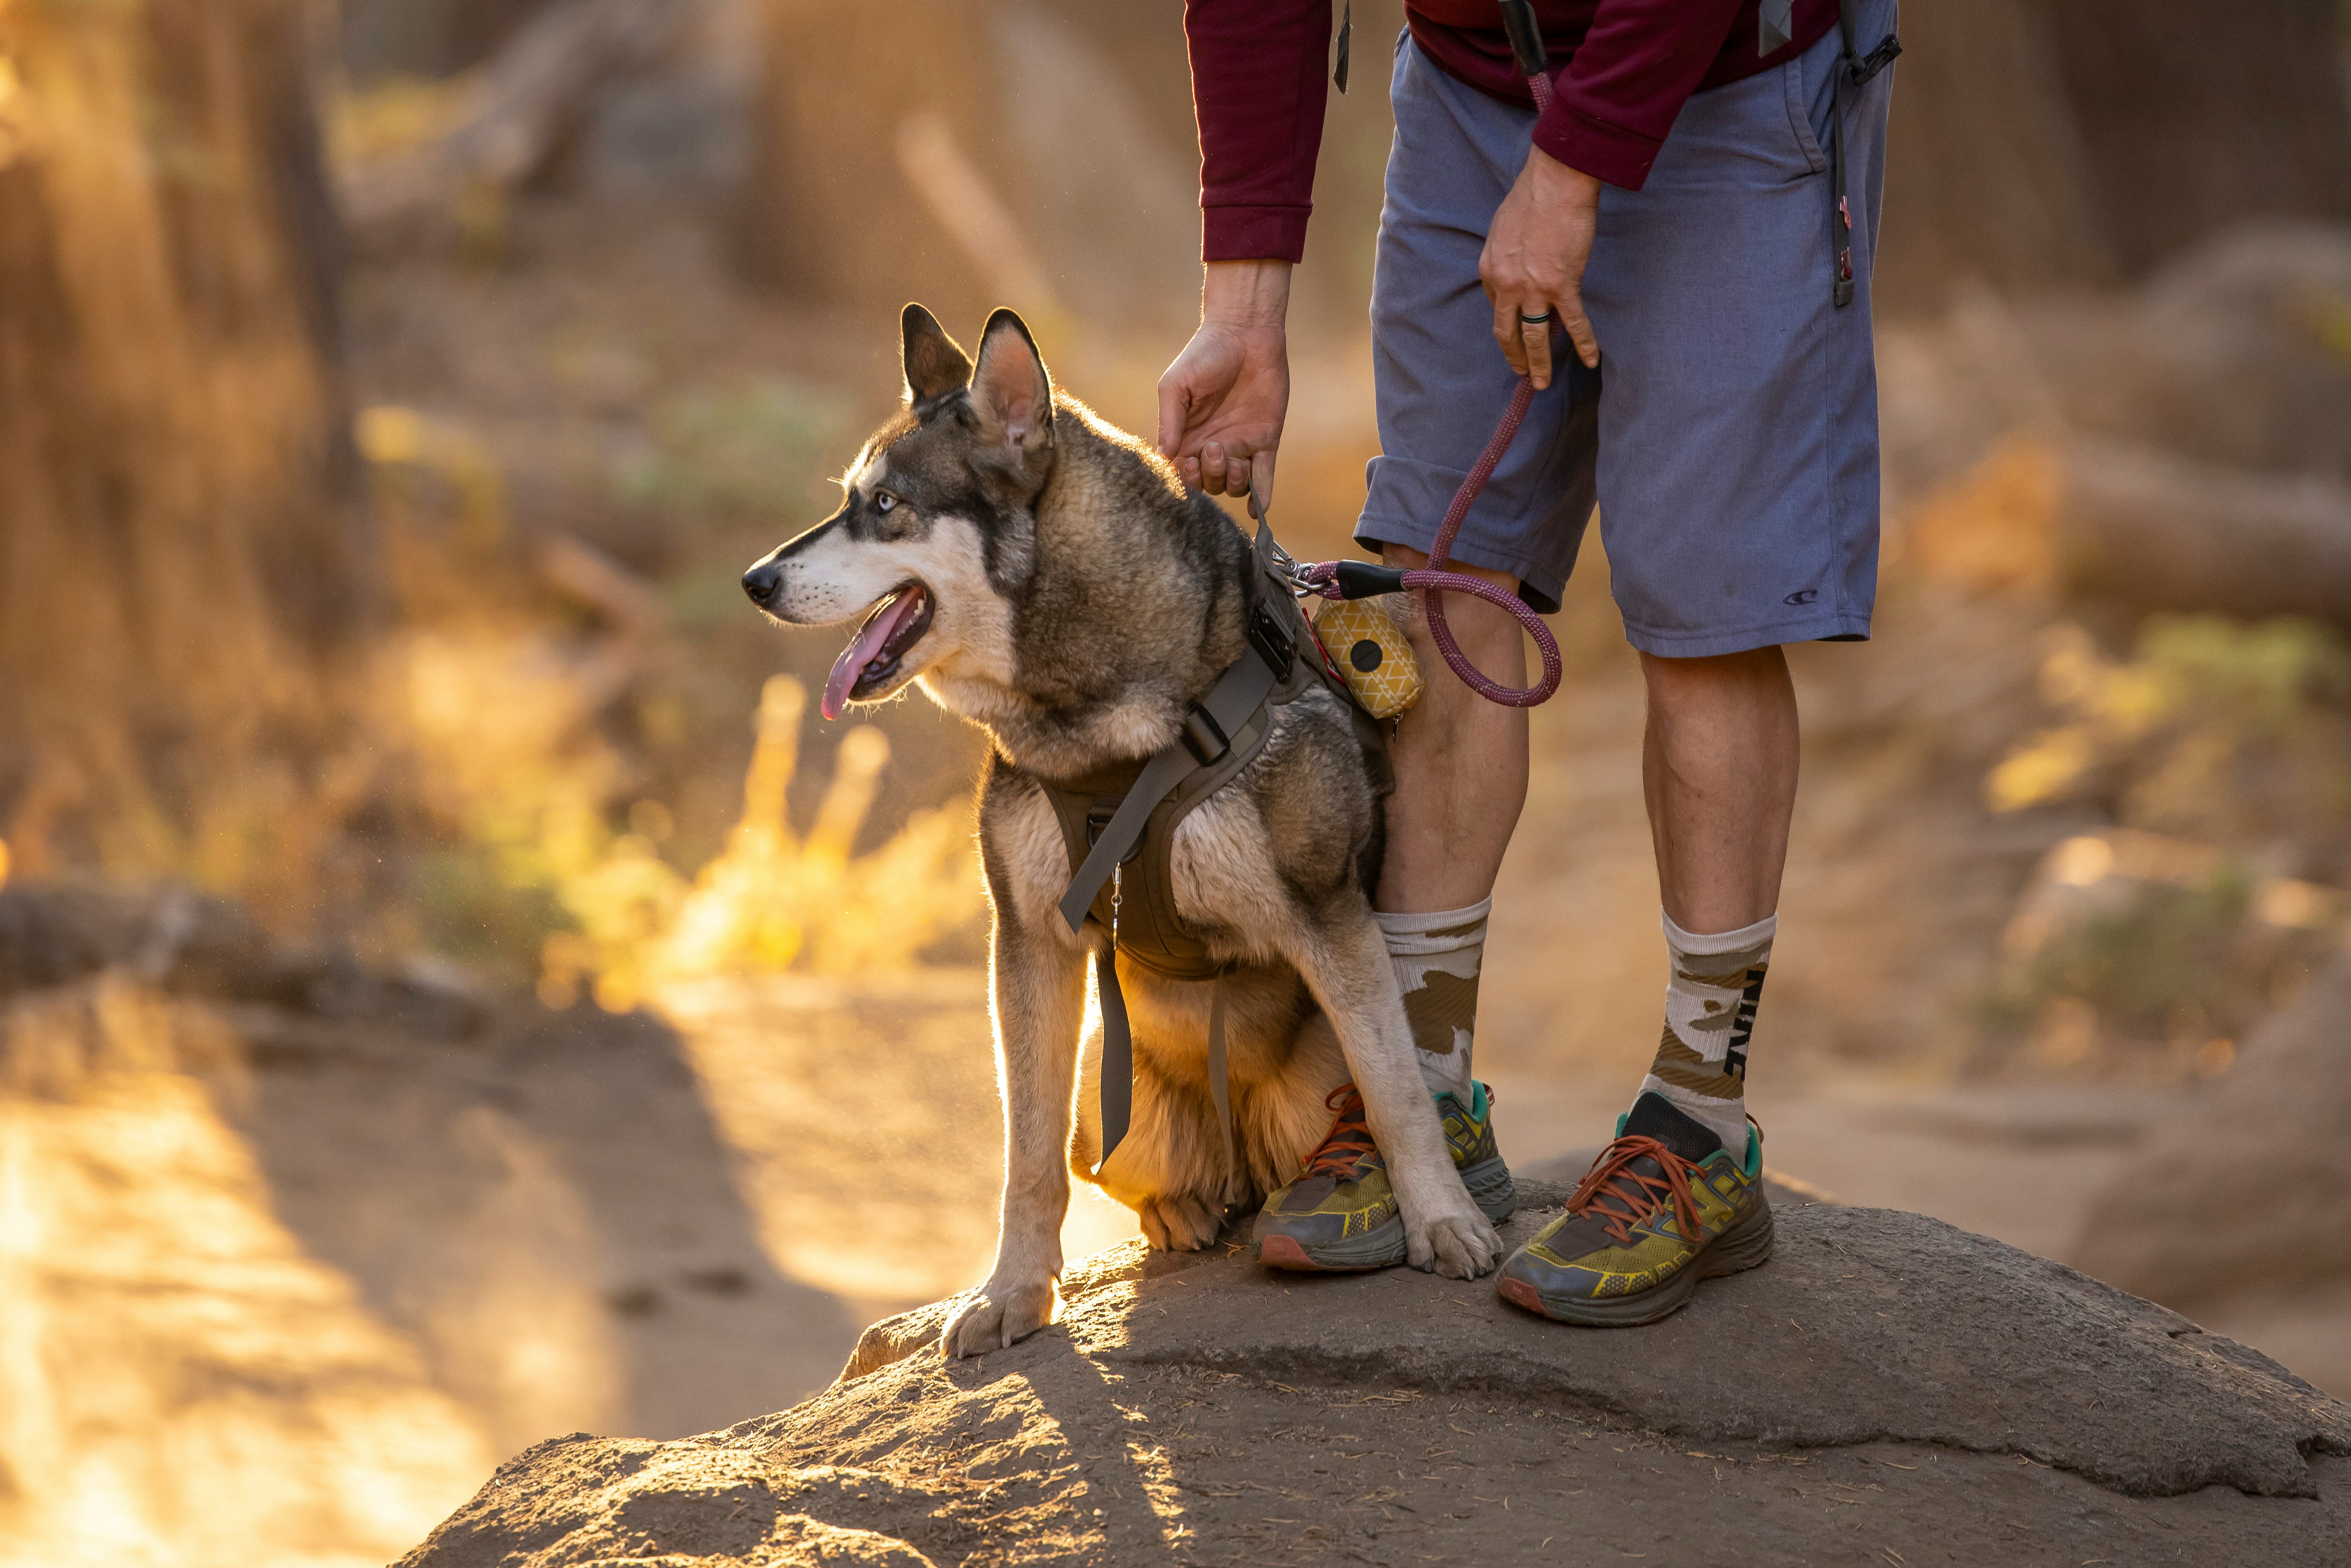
871	659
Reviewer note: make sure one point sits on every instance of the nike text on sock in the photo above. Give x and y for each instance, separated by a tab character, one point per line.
1436	958
1701	1064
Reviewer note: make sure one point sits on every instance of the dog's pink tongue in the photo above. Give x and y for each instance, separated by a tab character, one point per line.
861	649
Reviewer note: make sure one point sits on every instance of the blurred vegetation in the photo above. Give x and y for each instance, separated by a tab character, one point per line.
2229	733
2221	752
747	451
2163	985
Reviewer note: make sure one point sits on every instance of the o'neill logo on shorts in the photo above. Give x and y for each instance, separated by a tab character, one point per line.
1802	596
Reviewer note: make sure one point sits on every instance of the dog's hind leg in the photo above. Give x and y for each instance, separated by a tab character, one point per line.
1170	1167
1036	995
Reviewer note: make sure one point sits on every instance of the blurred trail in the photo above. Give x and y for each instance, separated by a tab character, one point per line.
180	1380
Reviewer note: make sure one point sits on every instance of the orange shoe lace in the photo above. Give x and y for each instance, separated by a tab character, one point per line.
1349	1139
1622	1196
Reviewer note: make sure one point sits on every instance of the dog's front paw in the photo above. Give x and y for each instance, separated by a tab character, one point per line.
996	1315
1460	1244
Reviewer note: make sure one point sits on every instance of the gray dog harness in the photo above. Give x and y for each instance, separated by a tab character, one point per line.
1119	823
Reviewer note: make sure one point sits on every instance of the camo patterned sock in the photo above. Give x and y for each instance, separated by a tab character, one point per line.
1436	958
1702	1063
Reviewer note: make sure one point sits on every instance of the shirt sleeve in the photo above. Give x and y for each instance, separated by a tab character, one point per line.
1259	91
1611	108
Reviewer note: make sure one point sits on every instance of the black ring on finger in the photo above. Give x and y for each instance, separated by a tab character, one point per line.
1527	320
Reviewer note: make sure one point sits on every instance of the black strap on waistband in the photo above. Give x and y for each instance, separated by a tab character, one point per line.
1854	70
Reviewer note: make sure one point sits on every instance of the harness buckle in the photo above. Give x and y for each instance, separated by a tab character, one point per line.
1271	637
1204	738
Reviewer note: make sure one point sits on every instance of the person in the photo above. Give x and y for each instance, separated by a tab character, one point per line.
1714	392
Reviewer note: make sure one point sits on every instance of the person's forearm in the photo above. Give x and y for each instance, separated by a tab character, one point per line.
1244	293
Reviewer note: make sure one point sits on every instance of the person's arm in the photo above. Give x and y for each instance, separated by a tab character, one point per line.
1258	92
1609	114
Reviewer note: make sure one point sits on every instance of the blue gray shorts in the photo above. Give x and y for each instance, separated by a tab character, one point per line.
1729	436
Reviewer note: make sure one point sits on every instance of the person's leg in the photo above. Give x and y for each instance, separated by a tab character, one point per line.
1737	478
1719	771
1460	761
1460	782
1718	768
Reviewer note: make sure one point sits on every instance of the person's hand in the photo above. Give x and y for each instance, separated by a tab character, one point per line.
1533	262
1222	401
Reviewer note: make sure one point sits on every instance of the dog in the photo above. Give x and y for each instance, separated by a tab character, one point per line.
1048	578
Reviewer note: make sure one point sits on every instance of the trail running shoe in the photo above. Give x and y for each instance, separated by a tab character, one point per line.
1664	1207
1469	1133
1341	1214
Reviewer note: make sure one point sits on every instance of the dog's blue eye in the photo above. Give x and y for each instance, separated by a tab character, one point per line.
883	500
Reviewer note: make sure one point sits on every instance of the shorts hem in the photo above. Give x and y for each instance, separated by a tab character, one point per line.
1538	585
1711	644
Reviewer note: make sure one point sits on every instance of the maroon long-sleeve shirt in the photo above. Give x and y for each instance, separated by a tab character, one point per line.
1620	71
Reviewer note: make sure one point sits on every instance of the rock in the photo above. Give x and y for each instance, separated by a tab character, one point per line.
1886	1384
2200	1211
2141	525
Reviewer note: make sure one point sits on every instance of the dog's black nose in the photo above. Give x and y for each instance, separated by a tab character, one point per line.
761	581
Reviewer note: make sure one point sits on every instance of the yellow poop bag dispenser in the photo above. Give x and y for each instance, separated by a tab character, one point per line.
1370	649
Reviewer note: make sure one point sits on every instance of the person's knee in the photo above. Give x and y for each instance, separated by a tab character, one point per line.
1716	675
1477	626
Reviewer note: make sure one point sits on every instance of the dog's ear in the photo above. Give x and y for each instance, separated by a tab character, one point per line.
935	364
1010	392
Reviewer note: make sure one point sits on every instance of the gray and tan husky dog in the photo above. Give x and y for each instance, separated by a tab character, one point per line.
1048	578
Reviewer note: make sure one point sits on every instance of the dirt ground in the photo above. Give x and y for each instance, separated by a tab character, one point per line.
436	1229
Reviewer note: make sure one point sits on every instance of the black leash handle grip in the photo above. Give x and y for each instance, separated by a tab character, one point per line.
1526	38
1361	579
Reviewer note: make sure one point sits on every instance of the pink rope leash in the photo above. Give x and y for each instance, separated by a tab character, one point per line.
1435	581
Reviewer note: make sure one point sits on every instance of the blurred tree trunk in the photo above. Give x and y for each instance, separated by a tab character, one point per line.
181	574
1986	175
2197	112
829	212
2040	143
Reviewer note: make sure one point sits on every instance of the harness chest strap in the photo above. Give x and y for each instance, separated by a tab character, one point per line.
1221	735
1237	695
1242	690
